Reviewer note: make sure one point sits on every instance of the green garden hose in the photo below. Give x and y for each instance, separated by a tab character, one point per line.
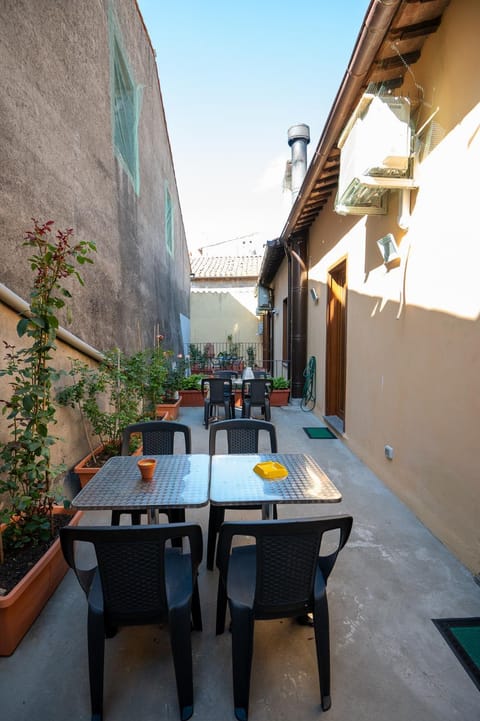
308	396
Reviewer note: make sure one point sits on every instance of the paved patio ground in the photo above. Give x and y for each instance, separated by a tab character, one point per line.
389	663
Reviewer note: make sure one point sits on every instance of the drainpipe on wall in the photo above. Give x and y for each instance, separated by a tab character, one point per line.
298	139
12	300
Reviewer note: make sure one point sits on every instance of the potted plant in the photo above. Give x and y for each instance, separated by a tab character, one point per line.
109	398
170	400
280	391
190	390
27	475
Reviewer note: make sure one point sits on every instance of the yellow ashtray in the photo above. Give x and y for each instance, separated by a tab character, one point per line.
271	470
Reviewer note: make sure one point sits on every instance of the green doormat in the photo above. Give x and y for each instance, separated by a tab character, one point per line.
463	637
319	432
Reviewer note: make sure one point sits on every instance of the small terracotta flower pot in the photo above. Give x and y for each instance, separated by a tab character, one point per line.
147	468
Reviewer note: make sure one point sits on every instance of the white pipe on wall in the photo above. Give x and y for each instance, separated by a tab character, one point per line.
14	301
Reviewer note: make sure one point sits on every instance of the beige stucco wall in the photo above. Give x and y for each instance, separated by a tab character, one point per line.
413	332
224	310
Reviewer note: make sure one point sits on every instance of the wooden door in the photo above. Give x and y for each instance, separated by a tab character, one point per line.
336	342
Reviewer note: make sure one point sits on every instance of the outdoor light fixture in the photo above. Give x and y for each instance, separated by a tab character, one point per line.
314	295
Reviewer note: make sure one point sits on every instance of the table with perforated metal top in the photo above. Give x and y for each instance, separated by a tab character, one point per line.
233	481
180	481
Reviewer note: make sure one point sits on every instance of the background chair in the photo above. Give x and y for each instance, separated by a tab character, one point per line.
260	374
139	581
242	437
281	575
219	394
256	393
158	439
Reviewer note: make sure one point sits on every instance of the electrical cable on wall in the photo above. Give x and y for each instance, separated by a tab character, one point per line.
308	396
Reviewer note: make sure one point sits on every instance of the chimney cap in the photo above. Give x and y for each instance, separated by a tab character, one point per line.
301	131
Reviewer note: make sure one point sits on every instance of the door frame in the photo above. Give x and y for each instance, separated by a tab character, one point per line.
336	344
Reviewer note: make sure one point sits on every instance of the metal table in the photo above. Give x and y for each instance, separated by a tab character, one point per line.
234	482
180	481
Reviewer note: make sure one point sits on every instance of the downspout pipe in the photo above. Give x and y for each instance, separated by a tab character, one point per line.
13	301
374	30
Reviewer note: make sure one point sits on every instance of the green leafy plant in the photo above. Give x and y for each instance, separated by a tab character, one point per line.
280	383
192	382
26	471
109	396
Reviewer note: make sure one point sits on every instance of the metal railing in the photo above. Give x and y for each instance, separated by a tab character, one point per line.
208	357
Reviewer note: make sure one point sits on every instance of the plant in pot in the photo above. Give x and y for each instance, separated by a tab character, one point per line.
280	391
109	398
27	474
190	390
165	378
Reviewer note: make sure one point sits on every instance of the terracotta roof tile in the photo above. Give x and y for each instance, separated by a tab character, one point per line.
247	266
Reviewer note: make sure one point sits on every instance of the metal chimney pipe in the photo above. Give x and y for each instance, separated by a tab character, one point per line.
298	139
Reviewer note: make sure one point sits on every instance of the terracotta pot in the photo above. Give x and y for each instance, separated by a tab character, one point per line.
86	473
147	468
279	397
191	398
20	607
168	410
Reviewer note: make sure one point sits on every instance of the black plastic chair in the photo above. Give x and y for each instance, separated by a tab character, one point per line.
226	374
256	393
219	394
281	575
158	439
139	581
242	437
260	374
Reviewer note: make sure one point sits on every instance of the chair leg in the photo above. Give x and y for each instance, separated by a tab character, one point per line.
176	515
96	653
215	520
242	653
196	608
181	643
322	643
221	607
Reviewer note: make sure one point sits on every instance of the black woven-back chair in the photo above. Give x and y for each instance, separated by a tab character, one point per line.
158	439
219	395
139	581
281	575
225	374
242	437
256	393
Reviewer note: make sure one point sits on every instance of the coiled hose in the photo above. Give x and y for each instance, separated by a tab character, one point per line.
308	396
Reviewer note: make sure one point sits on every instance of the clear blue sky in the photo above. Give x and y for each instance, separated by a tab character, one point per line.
235	75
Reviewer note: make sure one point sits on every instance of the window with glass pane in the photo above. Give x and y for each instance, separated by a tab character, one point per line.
125	114
169	228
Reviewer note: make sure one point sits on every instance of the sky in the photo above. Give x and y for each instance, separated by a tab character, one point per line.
235	75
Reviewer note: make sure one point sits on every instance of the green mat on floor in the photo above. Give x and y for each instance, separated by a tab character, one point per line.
463	637
319	432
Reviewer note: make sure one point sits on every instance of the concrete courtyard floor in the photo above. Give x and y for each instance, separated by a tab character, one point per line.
389	662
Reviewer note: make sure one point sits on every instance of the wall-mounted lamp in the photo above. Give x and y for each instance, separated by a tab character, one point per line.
314	295
274	311
388	248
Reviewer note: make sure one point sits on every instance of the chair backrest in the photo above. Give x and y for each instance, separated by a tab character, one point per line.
256	389
242	435
158	437
260	374
131	566
225	374
219	388
288	554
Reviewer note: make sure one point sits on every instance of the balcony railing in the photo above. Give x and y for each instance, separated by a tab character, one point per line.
208	357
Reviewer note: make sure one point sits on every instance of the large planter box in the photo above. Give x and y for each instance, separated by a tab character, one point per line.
85	472
169	411
20	607
191	398
280	397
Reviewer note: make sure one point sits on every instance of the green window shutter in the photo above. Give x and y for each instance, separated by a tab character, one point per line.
169	224
125	99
